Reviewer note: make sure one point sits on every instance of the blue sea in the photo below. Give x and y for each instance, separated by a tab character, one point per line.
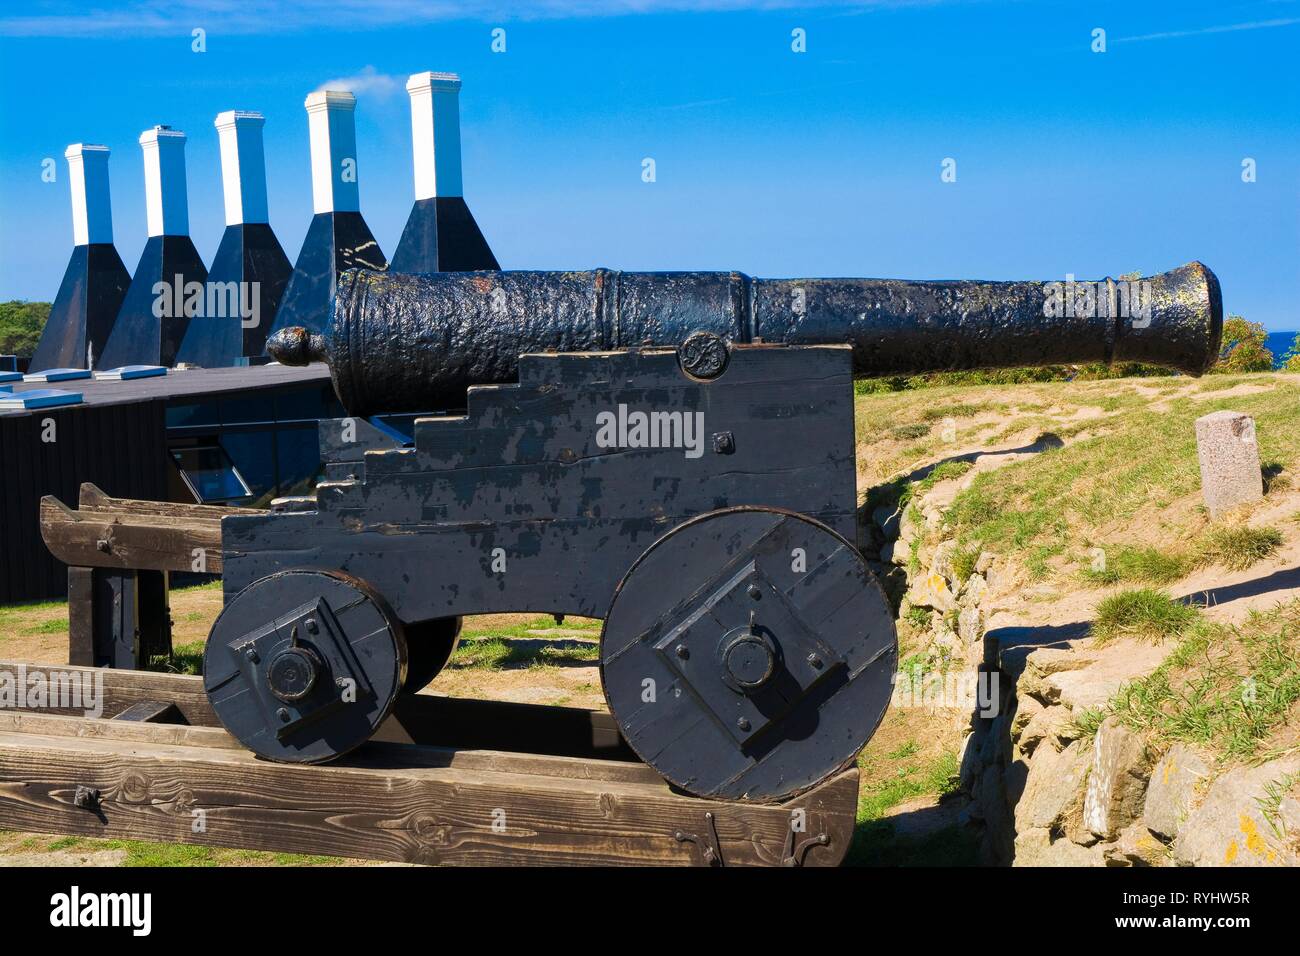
1279	343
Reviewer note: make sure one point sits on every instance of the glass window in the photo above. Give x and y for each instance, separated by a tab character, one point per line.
253	452
210	474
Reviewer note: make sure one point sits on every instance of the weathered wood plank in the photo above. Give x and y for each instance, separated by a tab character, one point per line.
373	755
418	814
110	539
93	499
152	712
417	718
81	616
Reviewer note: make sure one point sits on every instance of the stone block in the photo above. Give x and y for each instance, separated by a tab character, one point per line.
1229	457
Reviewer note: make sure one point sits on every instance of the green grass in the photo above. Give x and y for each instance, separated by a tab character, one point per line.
909	749
1145	565
963	561
205	586
1144	613
918	617
937	413
1270	805
184	659
1223	688
10	612
525	645
1236	548
1144	461
938	777
1239	547
875	842
502	654
531	627
909	432
943	471
1086	723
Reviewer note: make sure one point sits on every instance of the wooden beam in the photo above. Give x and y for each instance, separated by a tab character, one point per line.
417	718
112	539
81	616
374	807
92	499
152	712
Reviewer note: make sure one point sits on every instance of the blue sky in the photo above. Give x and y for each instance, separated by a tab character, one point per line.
772	162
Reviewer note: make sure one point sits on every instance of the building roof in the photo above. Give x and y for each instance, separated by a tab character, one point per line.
178	383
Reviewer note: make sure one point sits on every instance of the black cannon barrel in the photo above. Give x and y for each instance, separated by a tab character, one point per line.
410	343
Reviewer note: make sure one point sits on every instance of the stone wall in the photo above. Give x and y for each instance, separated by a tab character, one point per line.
1043	791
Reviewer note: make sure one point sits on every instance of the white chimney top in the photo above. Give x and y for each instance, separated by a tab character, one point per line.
435	133
333	151
243	166
92	213
166	201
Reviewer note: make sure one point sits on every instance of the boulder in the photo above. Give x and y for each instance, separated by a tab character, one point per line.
1230	827
984	562
908	528
1049	724
941	562
967	762
1173	789
1035	847
1135	846
1117	781
932	592
1027	708
970	625
1117	664
974	590
1036	667
1053	788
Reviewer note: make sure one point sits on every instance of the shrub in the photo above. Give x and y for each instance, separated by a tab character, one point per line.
1243	347
1144	613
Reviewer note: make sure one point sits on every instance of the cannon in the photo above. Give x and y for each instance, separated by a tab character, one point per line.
671	453
414	343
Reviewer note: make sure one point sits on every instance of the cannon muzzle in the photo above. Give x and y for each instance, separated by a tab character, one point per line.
414	343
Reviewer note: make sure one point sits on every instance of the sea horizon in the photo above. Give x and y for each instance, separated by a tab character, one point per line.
1279	343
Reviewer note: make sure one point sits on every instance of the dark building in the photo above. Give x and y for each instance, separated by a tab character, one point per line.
235	435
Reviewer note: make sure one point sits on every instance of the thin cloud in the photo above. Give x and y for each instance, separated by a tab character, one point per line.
369	82
1202	31
69	18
